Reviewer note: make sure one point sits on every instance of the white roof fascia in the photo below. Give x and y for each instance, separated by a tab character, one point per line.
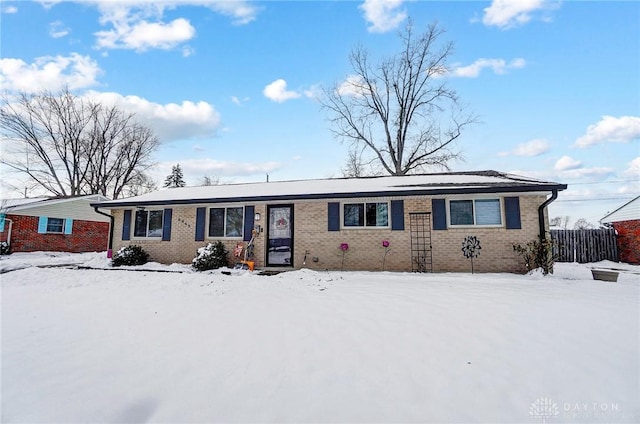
628	212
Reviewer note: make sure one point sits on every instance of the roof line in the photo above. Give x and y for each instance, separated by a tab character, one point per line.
318	196
616	210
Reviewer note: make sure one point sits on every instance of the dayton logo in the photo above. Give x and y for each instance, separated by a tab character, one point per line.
544	408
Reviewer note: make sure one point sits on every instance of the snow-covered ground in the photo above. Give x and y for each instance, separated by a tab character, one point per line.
86	345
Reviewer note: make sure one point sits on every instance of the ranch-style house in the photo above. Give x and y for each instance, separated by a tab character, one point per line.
416	222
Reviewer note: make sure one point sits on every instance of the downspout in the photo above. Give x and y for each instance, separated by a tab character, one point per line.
543	231
112	219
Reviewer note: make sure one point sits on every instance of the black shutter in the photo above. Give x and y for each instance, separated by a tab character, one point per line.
512	213
333	216
166	224
397	215
126	225
439	210
200	221
249	212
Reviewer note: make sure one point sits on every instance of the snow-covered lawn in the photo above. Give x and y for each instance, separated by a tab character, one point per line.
304	346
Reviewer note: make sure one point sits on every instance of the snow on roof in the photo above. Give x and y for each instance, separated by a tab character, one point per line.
453	182
12	203
628	212
21	204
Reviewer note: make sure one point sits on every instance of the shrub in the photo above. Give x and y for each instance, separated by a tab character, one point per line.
5	248
537	254
212	256
130	255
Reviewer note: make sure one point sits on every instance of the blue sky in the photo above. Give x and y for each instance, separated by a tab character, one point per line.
231	87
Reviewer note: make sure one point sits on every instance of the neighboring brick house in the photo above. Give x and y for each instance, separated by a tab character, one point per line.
301	224
626	221
54	224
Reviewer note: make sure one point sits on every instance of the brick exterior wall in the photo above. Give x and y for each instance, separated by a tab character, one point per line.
628	240
86	236
313	240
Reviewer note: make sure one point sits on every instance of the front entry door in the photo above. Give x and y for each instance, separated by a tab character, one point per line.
280	235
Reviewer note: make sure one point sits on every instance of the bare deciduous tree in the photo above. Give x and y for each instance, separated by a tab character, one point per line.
69	145
139	184
401	108
210	181
560	221
357	167
583	224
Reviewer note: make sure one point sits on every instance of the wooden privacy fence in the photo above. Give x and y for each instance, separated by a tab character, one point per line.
585	245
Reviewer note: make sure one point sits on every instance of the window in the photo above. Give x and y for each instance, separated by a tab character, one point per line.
55	225
475	212
366	214
148	223
226	222
48	225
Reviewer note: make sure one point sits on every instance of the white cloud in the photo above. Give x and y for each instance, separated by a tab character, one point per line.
195	168
277	91
531	148
238	101
313	92
58	30
188	51
611	129
634	169
9	9
171	121
498	66
511	13
139	24
241	11
49	73
145	35
352	86
597	173
567	163
383	15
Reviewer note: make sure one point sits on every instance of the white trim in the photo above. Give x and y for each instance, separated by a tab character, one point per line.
147	237
225	207
49	218
365	227
500	200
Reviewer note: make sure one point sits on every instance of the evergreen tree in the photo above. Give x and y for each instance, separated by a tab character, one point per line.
175	178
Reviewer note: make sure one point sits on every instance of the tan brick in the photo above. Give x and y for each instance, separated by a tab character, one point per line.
313	240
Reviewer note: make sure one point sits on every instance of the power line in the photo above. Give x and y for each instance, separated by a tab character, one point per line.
606	182
591	199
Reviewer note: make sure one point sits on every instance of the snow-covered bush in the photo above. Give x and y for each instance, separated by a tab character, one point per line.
4	248
212	256
130	255
537	254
